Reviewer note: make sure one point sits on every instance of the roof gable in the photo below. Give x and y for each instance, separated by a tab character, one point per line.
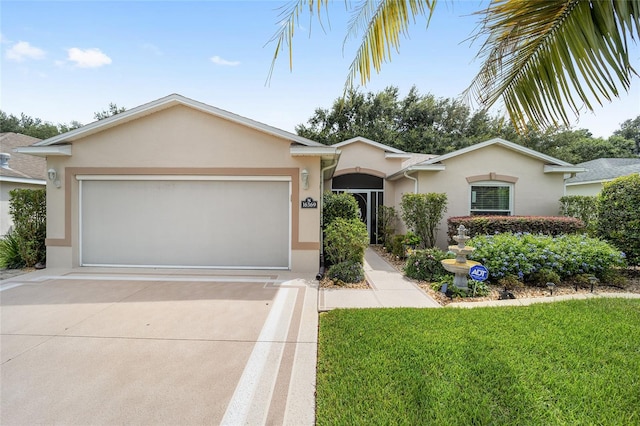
168	102
375	144
21	166
500	142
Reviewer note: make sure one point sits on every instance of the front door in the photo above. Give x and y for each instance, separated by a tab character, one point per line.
368	192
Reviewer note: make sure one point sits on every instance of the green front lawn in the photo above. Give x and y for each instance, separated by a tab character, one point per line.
575	362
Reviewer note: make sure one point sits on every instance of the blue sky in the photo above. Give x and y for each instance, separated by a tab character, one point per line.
63	61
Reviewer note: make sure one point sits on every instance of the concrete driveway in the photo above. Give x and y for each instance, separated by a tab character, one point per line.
93	346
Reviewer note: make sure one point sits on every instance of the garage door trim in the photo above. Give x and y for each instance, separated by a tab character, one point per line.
230	178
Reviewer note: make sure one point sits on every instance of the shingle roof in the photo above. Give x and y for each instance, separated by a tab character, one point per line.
606	169
22	166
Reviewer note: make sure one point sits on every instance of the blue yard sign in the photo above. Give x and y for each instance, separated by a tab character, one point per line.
479	273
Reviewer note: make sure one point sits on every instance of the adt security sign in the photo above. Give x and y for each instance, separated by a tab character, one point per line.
479	273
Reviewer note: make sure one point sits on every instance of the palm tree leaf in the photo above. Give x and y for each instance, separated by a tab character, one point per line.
545	59
382	22
289	22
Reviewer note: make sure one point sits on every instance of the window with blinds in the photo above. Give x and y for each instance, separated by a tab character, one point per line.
491	200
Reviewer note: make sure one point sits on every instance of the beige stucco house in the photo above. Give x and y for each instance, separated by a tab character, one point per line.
17	171
494	177
177	183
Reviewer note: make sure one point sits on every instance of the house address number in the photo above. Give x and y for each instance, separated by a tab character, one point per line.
309	203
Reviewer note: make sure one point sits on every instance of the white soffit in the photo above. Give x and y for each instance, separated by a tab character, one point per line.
417	168
563	169
22	180
45	151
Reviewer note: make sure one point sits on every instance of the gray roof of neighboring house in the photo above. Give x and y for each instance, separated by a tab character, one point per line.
21	166
604	169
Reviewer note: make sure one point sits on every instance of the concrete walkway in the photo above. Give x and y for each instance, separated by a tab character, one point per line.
389	289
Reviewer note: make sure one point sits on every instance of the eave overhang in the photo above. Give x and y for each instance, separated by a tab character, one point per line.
329	156
22	180
396	155
417	168
46	151
563	169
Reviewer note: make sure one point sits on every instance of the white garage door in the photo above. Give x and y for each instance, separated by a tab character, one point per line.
196	222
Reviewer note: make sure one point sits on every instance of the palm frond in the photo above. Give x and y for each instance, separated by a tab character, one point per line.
382	23
290	17
548	58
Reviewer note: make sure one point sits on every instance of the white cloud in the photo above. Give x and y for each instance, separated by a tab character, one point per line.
219	61
23	50
88	58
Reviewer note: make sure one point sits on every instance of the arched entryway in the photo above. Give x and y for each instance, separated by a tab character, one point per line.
368	190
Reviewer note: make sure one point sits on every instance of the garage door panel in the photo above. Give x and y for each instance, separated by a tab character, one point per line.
186	223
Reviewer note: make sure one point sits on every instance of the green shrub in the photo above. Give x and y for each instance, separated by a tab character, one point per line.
477	288
543	276
510	282
345	241
410	239
422	213
452	290
387	219
523	255
346	272
426	264
338	205
10	252
29	209
619	215
491	225
397	246
581	207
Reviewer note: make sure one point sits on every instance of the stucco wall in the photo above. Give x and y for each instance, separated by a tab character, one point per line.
535	192
360	157
181	140
367	158
589	189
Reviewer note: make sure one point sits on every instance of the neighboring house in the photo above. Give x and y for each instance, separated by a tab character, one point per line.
17	171
177	183
598	172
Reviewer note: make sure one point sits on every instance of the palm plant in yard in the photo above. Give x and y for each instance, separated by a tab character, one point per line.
543	59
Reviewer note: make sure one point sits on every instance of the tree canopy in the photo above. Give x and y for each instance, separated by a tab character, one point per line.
543	59
41	129
34	127
111	111
427	124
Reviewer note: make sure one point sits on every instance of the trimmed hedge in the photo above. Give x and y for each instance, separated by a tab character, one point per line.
582	207
490	225
619	215
346	272
338	205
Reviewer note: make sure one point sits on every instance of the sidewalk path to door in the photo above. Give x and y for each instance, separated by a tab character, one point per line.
389	289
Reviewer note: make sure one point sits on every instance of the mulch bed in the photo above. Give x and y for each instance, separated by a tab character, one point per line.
328	283
632	286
